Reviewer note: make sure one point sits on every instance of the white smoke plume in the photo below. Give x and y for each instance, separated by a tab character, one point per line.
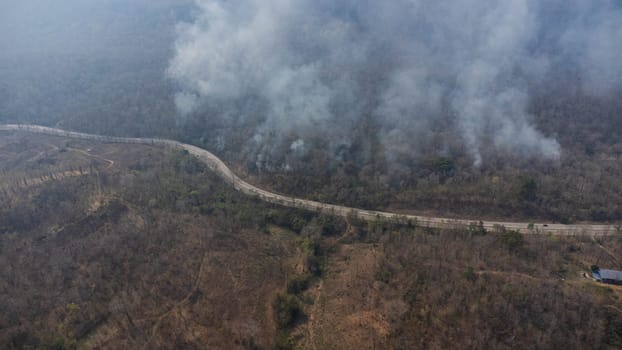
322	66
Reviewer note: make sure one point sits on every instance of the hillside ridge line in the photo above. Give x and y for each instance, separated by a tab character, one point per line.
221	169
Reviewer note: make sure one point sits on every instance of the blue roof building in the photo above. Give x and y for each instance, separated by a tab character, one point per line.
608	276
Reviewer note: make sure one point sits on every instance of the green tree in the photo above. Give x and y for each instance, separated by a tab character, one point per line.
528	190
287	310
469	274
512	240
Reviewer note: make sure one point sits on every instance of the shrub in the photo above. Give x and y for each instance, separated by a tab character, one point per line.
477	228
331	225
287	310
298	284
383	275
512	240
284	342
469	274
528	189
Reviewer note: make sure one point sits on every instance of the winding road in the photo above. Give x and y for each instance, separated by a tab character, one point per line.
217	165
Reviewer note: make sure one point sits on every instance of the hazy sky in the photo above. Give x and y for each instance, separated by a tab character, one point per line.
94	63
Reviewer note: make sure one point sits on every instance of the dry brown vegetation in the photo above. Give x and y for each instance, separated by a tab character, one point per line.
156	252
97	261
440	180
449	290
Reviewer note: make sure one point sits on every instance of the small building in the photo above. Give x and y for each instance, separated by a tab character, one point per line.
608	276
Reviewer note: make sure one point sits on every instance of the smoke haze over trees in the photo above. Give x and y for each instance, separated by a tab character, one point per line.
274	83
304	72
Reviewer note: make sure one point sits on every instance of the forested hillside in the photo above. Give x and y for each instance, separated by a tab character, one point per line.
144	247
583	185
116	74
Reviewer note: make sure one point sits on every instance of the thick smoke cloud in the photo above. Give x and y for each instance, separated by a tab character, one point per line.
321	67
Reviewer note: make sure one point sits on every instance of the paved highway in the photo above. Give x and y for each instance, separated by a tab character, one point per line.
220	168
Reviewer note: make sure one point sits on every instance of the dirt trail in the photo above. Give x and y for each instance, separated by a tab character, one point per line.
219	167
313	316
88	154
